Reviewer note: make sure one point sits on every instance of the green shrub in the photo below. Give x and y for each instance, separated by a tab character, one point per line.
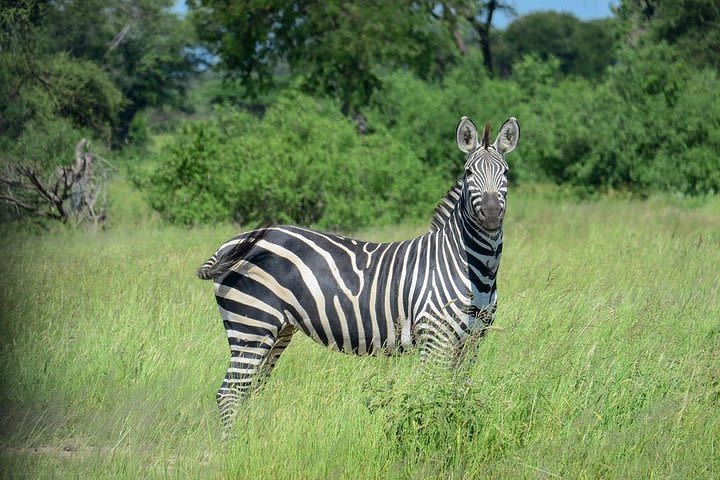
652	124
47	104
447	420
303	163
652	127
424	115
139	130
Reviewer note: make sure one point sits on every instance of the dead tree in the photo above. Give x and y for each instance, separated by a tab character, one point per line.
69	193
477	14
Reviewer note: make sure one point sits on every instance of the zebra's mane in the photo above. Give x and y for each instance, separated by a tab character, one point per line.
446	206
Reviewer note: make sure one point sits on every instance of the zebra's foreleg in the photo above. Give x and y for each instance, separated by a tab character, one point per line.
438	343
477	325
467	353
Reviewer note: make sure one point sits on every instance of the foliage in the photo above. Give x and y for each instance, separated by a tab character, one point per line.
37	89
650	125
336	48
653	124
583	48
441	416
417	114
48	103
692	26
303	163
434	419
425	115
533	74
639	114
459	16
142	46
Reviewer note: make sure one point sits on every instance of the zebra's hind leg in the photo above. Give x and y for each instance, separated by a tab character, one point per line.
282	342
237	383
248	351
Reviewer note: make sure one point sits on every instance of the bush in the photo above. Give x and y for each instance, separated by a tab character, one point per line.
652	124
48	104
424	115
303	163
447	420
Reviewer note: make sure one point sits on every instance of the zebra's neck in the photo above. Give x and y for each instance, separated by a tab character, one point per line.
479	250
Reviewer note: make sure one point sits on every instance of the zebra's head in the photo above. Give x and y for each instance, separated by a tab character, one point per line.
485	177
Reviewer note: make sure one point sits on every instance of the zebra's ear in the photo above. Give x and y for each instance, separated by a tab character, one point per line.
466	135
508	137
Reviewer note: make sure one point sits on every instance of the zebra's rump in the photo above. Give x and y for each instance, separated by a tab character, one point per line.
229	254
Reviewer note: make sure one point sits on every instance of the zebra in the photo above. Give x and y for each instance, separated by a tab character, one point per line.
437	291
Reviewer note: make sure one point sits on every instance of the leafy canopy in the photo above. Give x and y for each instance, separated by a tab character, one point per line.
303	163
141	44
336	48
583	48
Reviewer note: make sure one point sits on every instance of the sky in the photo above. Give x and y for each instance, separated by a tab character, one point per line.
583	9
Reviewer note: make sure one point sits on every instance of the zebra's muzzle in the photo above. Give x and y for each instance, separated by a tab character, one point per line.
491	211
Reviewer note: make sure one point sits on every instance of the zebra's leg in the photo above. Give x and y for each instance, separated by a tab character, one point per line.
250	344
282	342
245	359
438	343
478	326
467	353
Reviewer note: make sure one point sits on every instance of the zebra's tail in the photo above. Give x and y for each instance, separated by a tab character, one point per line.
224	259
204	272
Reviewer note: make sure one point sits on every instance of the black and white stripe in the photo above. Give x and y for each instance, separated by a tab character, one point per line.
446	205
363	297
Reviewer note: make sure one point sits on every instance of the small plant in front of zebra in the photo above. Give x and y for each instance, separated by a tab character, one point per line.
442	418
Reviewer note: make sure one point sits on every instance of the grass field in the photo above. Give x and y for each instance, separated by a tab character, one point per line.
604	363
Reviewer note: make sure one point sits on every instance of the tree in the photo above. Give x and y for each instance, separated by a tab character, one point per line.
583	48
143	47
45	93
336	48
48	102
478	16
692	26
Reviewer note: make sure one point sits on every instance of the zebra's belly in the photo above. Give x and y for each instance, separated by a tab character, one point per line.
366	334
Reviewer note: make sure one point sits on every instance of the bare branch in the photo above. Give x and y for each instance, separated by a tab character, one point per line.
15	202
27	190
118	39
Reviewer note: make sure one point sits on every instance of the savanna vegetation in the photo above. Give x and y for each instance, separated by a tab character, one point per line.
170	133
602	362
316	103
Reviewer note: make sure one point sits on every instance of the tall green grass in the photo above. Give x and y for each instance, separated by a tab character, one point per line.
604	361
